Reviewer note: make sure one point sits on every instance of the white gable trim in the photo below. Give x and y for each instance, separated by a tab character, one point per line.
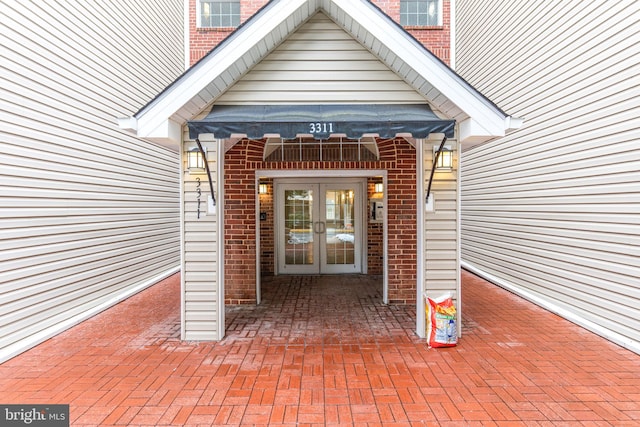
406	51
208	79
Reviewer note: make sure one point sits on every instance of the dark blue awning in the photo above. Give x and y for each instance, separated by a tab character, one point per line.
321	121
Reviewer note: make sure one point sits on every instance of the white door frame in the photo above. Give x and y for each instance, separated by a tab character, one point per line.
320	266
334	173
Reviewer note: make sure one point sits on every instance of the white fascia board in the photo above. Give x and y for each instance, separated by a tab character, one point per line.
513	123
167	133
471	131
439	75
128	123
189	86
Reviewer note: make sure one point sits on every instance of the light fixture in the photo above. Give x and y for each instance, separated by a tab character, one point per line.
263	189
378	187
445	159
195	160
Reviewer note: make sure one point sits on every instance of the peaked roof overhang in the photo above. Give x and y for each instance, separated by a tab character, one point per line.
161	120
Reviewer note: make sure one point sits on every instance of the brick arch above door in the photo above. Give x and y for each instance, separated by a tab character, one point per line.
397	157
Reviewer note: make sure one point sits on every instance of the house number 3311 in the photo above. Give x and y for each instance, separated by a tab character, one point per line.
320	128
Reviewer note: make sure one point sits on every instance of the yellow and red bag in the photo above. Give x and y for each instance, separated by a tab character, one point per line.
442	330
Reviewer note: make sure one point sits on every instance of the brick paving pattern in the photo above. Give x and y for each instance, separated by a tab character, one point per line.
326	351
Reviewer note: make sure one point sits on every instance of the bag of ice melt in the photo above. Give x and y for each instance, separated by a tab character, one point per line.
442	330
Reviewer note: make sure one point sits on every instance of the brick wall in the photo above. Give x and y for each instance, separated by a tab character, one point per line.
375	250
267	230
401	216
202	40
396	156
436	39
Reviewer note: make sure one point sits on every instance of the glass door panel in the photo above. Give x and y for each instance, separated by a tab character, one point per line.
298	227
296	216
318	227
339	237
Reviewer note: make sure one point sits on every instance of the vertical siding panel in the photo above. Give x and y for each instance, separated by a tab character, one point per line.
552	210
88	213
201	243
441	228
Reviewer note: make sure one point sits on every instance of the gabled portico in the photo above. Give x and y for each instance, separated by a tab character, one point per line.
308	53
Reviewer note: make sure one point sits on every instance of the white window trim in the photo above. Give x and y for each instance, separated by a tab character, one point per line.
199	15
440	22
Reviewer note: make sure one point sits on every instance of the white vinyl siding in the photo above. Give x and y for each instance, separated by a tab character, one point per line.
89	214
552	210
202	319
320	63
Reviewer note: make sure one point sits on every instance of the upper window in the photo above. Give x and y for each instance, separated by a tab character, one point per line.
219	13
424	13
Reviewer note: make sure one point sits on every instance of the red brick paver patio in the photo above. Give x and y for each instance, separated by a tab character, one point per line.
325	351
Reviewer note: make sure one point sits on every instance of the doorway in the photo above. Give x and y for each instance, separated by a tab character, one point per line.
319	225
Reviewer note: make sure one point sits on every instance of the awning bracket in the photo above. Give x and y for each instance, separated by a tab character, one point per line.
206	167
433	168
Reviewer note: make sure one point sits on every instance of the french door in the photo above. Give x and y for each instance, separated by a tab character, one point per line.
319	226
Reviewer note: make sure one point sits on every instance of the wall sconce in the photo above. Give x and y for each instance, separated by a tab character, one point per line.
378	187
195	160
445	159
263	189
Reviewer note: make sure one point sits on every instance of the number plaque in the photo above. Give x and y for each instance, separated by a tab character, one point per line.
320	127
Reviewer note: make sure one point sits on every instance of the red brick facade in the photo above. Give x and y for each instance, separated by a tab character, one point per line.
202	40
436	39
375	234
397	157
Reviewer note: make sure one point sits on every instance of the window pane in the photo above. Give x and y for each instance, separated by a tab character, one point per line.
298	227
422	7
419	13
218	13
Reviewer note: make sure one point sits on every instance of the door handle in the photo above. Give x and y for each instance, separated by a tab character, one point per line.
319	227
